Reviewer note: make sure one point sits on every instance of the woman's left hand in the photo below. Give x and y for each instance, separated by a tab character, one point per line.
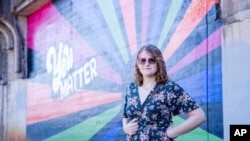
169	133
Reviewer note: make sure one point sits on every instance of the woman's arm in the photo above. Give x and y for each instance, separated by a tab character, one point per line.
195	118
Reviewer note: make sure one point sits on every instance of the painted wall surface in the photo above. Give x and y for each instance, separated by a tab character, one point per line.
81	58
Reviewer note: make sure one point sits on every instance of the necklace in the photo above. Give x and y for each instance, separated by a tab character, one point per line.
149	86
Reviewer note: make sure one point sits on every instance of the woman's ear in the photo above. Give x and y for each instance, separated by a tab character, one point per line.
136	64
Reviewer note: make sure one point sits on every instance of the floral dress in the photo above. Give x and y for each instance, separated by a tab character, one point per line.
155	114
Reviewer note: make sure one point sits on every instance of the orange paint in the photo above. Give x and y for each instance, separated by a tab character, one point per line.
40	105
194	14
128	12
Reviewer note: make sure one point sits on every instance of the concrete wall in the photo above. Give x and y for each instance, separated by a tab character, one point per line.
81	57
236	64
12	70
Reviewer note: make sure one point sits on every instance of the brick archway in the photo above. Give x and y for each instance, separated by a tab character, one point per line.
10	40
11	64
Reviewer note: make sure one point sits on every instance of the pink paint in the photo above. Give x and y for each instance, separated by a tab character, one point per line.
213	42
145	15
47	27
41	107
128	12
196	11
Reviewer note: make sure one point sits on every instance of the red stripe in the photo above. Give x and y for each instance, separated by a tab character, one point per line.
214	41
40	105
128	12
45	29
196	11
144	24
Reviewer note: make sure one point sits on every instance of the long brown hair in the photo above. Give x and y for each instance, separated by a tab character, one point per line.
161	73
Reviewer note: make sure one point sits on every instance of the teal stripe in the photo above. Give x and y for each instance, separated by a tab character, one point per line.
109	13
85	130
197	134
172	13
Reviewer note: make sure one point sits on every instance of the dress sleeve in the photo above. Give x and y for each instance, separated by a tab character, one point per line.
182	102
124	107
125	102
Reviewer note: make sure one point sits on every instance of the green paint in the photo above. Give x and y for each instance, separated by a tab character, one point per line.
197	134
85	130
109	13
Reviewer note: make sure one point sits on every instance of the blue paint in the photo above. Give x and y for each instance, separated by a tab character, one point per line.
199	65
205	28
87	19
174	7
108	10
45	129
196	85
202	78
177	20
157	15
112	132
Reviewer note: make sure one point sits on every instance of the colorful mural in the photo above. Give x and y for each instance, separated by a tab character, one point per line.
81	57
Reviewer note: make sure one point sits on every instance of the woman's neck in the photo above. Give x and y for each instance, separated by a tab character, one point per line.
148	82
148	79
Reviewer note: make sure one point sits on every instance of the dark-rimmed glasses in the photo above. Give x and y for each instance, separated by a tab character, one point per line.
143	61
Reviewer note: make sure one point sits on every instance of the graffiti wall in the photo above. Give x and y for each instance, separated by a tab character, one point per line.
81	58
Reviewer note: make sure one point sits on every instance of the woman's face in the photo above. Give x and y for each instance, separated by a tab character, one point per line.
147	64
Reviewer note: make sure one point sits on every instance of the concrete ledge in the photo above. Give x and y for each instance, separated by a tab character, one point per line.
234	10
236	17
27	7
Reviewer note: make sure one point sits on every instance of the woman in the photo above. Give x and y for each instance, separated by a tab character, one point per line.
153	100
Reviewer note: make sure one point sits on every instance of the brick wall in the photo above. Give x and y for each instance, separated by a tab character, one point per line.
81	58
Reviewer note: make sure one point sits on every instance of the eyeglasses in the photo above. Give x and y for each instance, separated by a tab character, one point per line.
143	61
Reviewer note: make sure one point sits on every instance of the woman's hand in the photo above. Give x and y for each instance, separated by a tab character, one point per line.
195	118
169	131
131	127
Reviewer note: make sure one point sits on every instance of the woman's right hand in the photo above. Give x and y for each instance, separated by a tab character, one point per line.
131	127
